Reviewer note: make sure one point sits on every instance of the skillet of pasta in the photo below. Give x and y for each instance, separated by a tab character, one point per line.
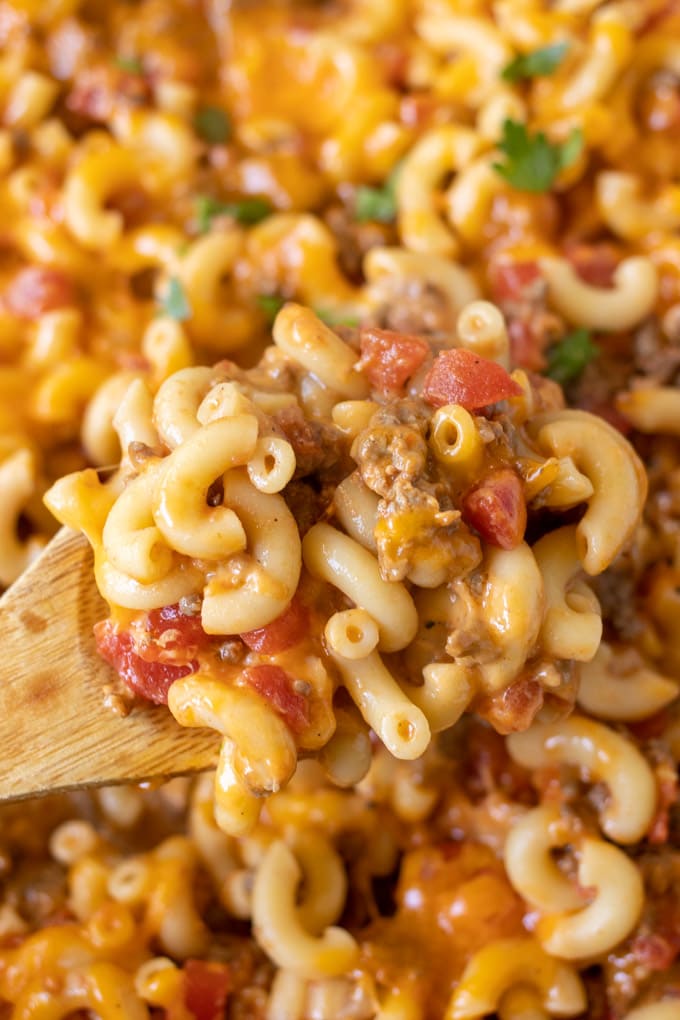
348	333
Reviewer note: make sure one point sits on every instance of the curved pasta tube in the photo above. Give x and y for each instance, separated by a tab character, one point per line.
507	963
479	41
272	465
347	756
620	307
437	154
399	723
627	213
120	589
98	175
253	590
656	1011
352	633
618	478
97	431
132	542
104	988
216	321
237	808
572	623
623	695
652	409
469	199
455	440
265	755
279	930
447	690
132	423
512	602
607	757
608	51
300	334
384	265
530	865
176	404
324	880
341	561
356	508
181	510
18	481
481	329
613	913
298	253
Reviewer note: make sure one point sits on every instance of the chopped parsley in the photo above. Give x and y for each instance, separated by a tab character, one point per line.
212	125
245	210
174	302
532	162
378	203
271	305
132	65
333	318
568	358
536	63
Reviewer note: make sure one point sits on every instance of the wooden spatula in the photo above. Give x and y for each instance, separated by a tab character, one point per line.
55	732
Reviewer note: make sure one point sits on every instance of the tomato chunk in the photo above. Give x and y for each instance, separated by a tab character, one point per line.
206	987
495	507
389	359
594	263
150	679
460	377
512	281
37	290
285	631
175	629
276	687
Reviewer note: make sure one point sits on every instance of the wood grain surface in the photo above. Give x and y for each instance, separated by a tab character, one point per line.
55	732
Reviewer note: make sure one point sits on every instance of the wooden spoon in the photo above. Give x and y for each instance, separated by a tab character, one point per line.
55	732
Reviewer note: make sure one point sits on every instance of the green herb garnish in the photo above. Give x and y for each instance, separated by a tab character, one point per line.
270	304
213	125
532	162
378	203
568	358
174	301
535	64
333	318
132	65
245	210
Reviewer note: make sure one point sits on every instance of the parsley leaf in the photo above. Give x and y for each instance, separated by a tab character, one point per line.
333	318
174	301
212	124
532	162
536	63
246	210
568	358
271	305
133	65
378	203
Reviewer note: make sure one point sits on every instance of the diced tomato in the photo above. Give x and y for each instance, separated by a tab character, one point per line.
510	281
460	377
389	359
206	988
594	263
37	290
151	680
283	632
495	507
187	631
526	345
654	951
276	687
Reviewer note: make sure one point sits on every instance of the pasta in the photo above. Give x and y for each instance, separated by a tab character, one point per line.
349	336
